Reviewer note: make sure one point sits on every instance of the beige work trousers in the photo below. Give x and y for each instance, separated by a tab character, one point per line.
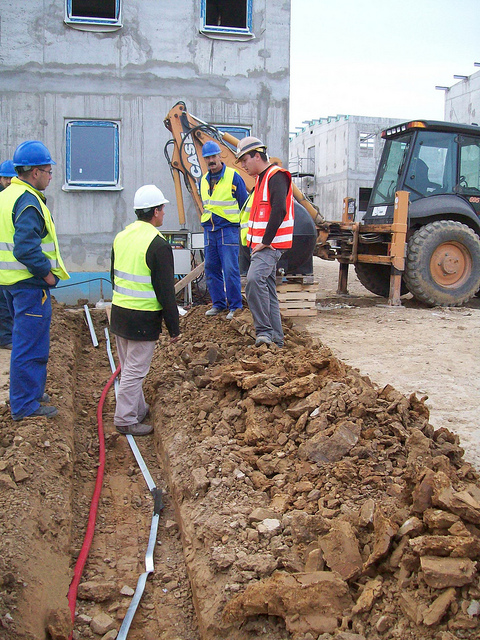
135	358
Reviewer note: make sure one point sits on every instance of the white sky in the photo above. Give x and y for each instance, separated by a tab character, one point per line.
379	58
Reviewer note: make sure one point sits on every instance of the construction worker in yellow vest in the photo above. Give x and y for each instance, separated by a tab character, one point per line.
30	266
223	194
142	273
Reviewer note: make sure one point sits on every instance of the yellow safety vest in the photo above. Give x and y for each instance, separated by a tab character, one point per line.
220	202
11	270
132	287
244	217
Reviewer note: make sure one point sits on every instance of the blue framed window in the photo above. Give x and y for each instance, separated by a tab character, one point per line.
92	154
91	13
238	131
227	17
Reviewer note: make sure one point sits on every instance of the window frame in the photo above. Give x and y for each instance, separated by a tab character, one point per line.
70	185
228	33
231	128
93	24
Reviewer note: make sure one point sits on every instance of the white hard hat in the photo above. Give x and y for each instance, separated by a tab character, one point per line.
148	196
249	144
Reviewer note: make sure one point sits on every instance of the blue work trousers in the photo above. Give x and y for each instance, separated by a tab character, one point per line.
6	321
221	267
32	312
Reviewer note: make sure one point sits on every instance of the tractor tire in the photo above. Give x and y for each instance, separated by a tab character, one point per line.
443	264
376	278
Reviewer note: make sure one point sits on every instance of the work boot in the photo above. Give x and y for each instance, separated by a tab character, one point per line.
6	346
44	398
43	411
142	418
231	314
138	429
214	311
262	340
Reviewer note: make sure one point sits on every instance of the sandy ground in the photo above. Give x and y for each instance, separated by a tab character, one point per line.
427	351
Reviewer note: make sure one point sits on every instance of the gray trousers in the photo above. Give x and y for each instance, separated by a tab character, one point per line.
135	358
261	294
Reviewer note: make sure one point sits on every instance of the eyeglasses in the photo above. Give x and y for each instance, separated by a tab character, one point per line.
45	171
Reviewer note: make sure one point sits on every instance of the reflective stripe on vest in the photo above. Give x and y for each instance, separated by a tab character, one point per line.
260	214
220	202
244	216
11	270
132	285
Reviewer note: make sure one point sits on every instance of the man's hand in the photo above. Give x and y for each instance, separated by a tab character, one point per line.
50	279
259	247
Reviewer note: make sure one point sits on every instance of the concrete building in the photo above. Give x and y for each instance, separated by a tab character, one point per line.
462	100
337	157
94	79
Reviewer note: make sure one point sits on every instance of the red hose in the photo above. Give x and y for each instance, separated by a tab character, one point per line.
82	558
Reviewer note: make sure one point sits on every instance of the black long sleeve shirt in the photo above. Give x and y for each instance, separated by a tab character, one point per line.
133	324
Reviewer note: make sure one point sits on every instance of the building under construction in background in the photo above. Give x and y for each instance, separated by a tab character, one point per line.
337	157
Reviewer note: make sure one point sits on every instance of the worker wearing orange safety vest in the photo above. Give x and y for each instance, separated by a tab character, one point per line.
269	234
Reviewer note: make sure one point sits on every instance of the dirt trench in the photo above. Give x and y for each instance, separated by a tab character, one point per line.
301	501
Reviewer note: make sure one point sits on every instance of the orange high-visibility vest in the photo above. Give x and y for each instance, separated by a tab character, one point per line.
260	214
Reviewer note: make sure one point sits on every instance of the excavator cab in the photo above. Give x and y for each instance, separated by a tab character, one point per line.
436	162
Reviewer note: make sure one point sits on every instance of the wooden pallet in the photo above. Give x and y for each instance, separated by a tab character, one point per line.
297	299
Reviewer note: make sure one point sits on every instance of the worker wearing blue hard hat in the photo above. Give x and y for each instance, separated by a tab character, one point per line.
7	172
223	193
31	264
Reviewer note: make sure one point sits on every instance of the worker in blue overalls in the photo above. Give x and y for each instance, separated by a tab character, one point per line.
30	265
223	193
7	172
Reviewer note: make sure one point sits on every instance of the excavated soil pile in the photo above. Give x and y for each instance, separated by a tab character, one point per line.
305	493
302	502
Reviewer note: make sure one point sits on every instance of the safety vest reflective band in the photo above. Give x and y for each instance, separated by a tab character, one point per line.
260	213
220	202
11	270
244	216
132	286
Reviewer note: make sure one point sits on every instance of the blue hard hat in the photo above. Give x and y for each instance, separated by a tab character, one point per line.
210	148
32	153
7	170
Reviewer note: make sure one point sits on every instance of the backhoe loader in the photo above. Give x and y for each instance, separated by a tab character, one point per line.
435	246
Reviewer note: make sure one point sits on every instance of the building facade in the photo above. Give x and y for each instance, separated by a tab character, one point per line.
94	80
462	100
337	157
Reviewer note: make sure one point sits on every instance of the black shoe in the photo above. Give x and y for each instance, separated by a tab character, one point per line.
138	429
43	411
44	398
6	346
